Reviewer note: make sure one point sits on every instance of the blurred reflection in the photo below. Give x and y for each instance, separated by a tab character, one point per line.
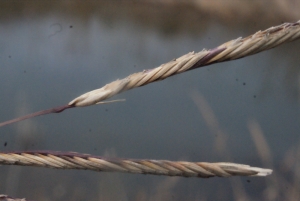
53	51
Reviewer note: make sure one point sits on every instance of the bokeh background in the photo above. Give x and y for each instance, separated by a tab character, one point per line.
245	111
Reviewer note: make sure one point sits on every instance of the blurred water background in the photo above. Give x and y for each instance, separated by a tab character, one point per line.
53	51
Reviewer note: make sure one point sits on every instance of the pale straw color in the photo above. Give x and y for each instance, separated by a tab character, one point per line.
235	49
72	160
8	198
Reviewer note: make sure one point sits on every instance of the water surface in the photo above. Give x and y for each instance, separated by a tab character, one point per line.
51	56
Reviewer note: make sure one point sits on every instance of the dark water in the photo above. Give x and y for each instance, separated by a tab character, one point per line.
48	57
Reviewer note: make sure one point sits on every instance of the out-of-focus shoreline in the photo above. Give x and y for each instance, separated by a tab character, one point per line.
167	16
